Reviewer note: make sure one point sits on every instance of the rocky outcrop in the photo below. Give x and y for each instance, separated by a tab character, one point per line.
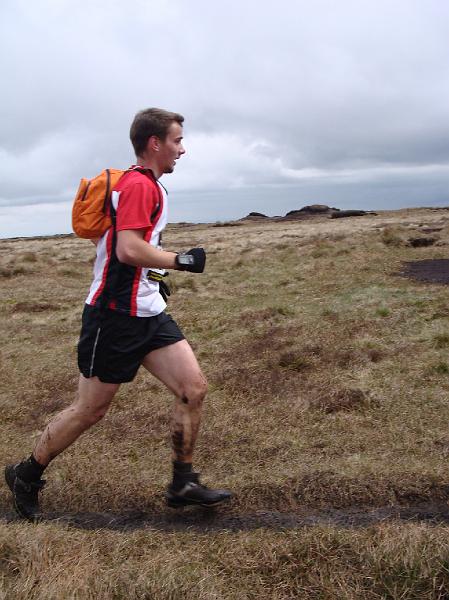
308	212
313	209
350	213
257	214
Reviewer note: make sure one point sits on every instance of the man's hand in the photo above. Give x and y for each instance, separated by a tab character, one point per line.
194	260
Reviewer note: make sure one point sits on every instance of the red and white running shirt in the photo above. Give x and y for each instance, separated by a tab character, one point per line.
140	202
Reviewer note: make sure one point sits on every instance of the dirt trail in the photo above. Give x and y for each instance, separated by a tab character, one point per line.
210	520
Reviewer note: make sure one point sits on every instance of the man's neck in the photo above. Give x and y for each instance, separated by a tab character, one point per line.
149	164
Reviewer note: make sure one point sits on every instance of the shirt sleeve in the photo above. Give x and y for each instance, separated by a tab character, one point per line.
136	204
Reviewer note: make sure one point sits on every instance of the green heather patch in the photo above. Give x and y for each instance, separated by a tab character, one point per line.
321	249
293	361
11	271
440	368
29	257
393	236
441	340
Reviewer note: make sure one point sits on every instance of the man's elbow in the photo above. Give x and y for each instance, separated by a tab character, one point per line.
127	254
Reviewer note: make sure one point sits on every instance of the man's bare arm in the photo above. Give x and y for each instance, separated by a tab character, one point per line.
133	250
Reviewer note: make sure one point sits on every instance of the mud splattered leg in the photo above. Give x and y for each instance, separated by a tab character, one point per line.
184	428
91	404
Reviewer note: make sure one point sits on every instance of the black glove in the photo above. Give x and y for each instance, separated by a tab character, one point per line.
194	260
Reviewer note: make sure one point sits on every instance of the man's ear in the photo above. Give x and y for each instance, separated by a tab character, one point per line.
154	143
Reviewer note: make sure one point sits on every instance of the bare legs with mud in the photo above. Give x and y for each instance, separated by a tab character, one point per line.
24	479
175	366
92	403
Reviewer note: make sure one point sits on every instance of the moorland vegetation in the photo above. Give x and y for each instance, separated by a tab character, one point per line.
327	415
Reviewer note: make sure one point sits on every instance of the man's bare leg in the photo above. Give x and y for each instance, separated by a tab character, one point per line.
24	479
93	400
176	366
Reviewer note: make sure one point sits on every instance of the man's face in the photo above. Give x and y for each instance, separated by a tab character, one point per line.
171	148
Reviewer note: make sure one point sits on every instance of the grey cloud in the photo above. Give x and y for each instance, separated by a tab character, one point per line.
320	86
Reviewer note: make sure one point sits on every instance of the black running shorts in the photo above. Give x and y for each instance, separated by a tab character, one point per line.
112	345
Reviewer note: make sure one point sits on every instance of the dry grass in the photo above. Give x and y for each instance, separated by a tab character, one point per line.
388	561
328	391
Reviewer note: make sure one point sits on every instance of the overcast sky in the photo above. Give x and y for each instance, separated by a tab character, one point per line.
286	103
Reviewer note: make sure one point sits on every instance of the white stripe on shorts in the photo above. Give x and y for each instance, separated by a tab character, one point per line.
93	352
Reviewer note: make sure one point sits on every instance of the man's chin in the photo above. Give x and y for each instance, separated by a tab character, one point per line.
169	169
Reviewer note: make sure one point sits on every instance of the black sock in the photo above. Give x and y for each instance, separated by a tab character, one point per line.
30	469
181	472
182	467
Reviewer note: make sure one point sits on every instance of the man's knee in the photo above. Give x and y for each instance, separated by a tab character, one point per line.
94	400
89	416
96	416
194	394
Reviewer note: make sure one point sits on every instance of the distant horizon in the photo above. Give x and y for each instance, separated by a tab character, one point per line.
228	204
438	206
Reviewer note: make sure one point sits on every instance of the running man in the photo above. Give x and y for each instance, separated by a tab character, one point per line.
124	324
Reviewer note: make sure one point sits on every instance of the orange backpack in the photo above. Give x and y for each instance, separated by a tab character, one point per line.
90	218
